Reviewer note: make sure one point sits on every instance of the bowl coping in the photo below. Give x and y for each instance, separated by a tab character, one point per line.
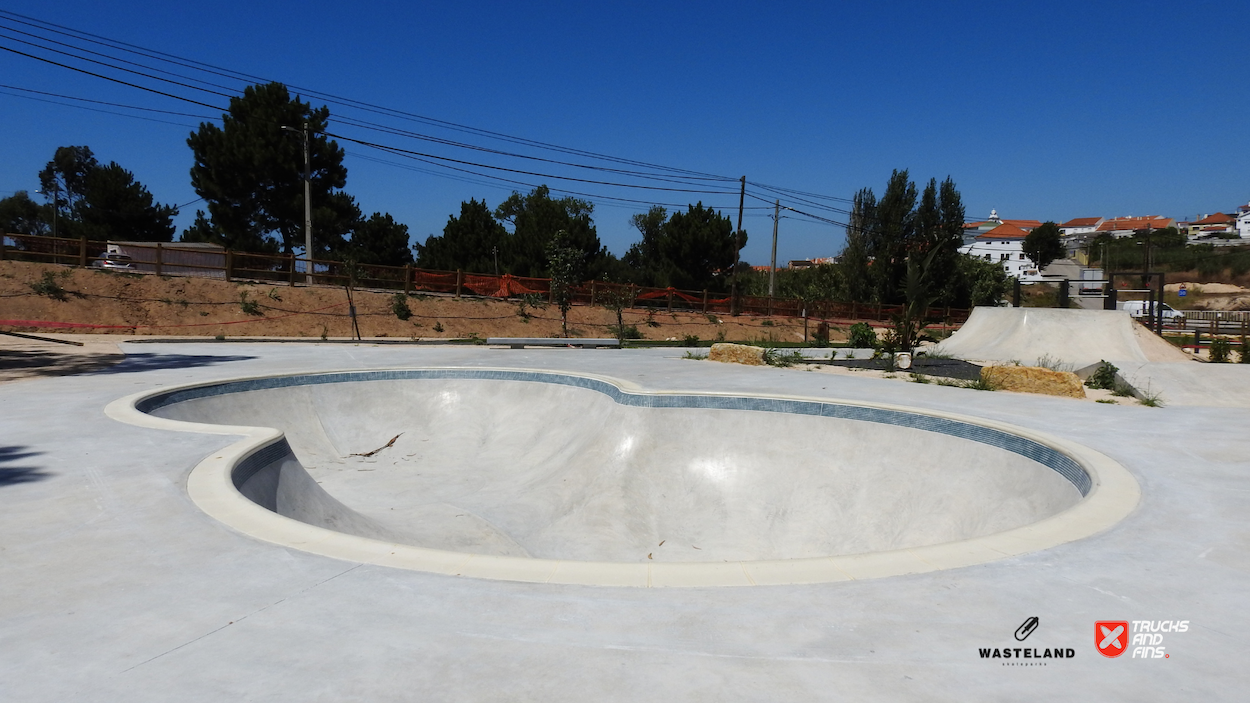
1110	492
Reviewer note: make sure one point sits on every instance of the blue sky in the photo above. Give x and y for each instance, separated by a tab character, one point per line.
1044	110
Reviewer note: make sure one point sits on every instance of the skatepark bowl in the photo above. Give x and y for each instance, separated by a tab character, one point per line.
549	477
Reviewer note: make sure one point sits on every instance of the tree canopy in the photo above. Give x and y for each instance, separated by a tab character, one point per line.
1043	245
535	218
883	234
469	242
250	173
692	249
118	207
90	200
379	240
21	215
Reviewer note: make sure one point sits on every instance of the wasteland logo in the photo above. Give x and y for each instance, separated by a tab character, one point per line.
1026	656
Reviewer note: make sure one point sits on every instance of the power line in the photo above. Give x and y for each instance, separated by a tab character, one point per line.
667	174
95	109
398	150
111	104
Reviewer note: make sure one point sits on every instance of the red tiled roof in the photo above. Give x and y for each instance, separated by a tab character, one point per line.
1024	224
1218	218
1135	223
1081	222
1005	231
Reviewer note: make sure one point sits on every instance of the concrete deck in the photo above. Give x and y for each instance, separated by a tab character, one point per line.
114	586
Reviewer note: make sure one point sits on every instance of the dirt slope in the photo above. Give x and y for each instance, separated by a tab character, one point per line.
162	305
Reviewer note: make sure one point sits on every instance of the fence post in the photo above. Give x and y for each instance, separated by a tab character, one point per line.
2	246
633	295
159	258
407	279
853	310
291	262
704	301
770	306
459	281
1015	293
229	264
878	316
82	252
592	293
670	299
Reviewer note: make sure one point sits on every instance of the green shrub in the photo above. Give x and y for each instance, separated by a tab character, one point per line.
776	357
249	306
399	306
1243	353
694	355
1104	377
48	286
625	332
1219	350
690	340
862	336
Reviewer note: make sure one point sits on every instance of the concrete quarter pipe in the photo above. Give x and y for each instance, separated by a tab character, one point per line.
1077	337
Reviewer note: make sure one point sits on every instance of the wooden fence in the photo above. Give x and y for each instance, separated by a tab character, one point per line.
173	260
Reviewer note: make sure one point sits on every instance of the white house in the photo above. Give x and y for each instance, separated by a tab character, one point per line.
1209	226
1120	227
1243	221
1004	245
1080	225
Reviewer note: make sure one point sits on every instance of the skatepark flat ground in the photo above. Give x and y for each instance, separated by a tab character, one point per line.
114	586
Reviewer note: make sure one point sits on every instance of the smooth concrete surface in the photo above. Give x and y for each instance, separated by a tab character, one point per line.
1072	336
541	470
115	586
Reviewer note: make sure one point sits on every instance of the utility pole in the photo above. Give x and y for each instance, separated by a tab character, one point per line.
56	202
308	248
772	269
733	287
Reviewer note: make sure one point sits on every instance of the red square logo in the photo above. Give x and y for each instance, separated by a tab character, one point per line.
1111	637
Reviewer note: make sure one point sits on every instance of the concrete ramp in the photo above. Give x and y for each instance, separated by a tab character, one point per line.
1073	336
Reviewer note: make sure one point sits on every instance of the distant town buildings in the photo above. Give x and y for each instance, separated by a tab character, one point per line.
1002	241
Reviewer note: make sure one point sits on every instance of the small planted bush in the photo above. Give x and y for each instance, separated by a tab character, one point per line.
249	306
862	336
399	306
1219	351
1103	377
49	287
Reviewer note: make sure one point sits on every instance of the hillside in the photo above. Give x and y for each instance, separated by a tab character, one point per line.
97	301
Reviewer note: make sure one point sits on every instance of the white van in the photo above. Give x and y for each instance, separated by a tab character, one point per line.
1142	309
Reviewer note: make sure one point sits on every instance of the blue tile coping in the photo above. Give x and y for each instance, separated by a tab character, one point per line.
1063	464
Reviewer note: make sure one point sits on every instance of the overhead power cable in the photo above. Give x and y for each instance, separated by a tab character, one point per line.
398	150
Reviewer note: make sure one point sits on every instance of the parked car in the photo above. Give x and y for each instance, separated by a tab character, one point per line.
1142	309
113	260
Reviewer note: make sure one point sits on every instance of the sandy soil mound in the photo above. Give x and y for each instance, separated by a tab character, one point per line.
142	304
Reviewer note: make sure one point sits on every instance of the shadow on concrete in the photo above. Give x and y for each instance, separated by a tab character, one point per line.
134	363
10	475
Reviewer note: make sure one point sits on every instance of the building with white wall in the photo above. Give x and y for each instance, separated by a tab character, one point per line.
1004	245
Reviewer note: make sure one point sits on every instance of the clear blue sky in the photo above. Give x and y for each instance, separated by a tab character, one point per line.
1041	110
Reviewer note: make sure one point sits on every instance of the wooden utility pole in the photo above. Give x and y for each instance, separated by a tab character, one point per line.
772	269
733	287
